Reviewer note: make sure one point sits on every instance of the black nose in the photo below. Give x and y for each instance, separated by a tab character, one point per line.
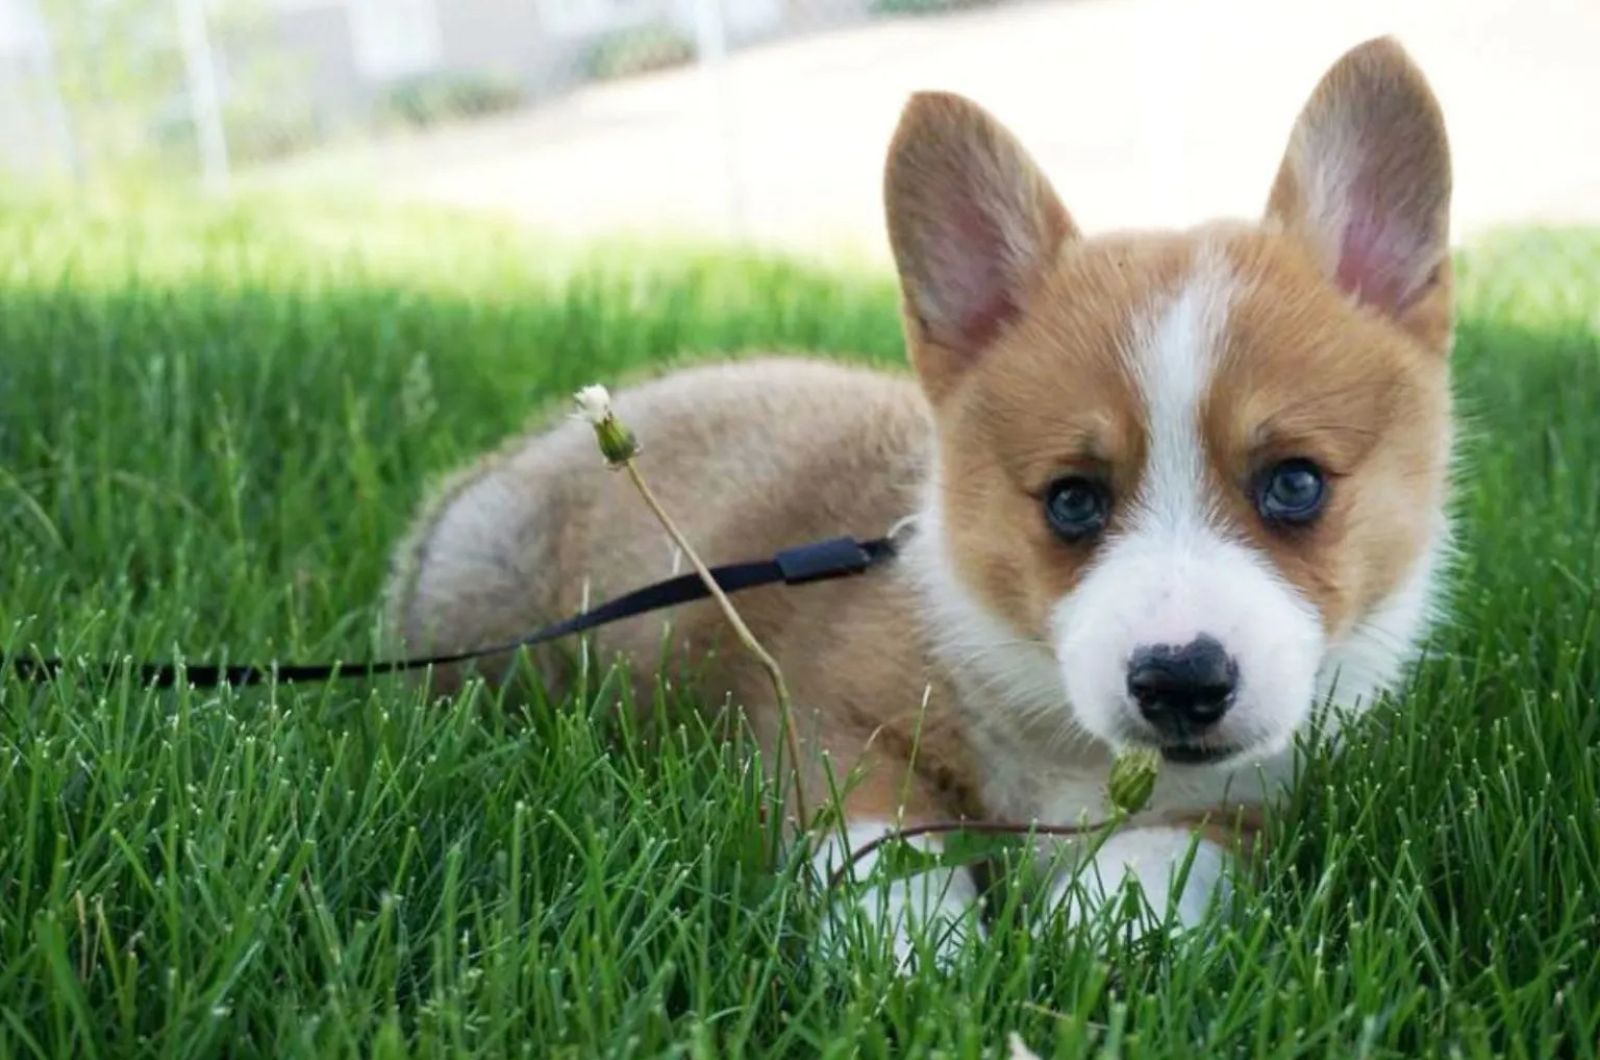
1181	690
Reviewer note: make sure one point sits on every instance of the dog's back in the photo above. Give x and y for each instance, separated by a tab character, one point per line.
747	457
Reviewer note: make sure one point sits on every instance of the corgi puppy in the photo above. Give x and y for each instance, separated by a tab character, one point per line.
1172	489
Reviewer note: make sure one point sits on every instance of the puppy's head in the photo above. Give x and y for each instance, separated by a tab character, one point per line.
1206	471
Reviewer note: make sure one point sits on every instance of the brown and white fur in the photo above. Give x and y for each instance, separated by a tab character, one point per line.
984	673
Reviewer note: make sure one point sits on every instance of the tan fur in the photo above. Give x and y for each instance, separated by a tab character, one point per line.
1017	328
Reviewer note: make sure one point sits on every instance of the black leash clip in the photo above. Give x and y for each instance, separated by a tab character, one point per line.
822	559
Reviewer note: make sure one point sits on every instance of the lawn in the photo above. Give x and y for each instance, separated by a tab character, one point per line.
214	425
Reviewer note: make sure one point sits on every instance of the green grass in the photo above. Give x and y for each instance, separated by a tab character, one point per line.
213	427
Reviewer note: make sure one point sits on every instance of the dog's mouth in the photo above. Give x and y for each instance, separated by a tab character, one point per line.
1192	754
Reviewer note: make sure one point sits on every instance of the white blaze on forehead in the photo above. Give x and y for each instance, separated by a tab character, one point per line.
1172	355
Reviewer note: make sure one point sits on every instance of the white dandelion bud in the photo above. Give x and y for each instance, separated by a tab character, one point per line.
617	443
594	403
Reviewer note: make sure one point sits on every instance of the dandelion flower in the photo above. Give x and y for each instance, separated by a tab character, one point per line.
594	404
617	443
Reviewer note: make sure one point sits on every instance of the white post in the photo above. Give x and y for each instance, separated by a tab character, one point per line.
205	102
56	115
711	45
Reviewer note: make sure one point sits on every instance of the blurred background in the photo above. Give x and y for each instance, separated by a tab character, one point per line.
763	121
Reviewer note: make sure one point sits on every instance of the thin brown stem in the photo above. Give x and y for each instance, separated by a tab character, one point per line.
981	827
752	645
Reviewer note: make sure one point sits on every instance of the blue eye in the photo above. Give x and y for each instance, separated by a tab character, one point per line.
1292	492
1077	508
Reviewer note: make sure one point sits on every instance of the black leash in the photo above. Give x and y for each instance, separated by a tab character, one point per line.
838	557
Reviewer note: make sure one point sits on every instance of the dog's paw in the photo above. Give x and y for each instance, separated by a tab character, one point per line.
928	915
1176	891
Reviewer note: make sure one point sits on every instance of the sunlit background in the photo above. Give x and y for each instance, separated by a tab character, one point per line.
270	270
764	120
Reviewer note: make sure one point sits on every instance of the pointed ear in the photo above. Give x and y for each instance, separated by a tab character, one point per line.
1365	184
972	223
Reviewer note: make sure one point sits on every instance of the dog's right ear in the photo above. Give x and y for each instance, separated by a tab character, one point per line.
972	222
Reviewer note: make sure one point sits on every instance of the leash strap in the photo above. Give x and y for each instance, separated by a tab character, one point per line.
838	557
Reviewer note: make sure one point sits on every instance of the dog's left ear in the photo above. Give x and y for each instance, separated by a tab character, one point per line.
1365	185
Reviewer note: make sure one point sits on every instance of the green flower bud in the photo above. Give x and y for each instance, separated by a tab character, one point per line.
1133	778
617	443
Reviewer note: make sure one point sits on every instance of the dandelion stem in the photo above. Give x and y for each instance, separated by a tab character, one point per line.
1016	828
779	687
